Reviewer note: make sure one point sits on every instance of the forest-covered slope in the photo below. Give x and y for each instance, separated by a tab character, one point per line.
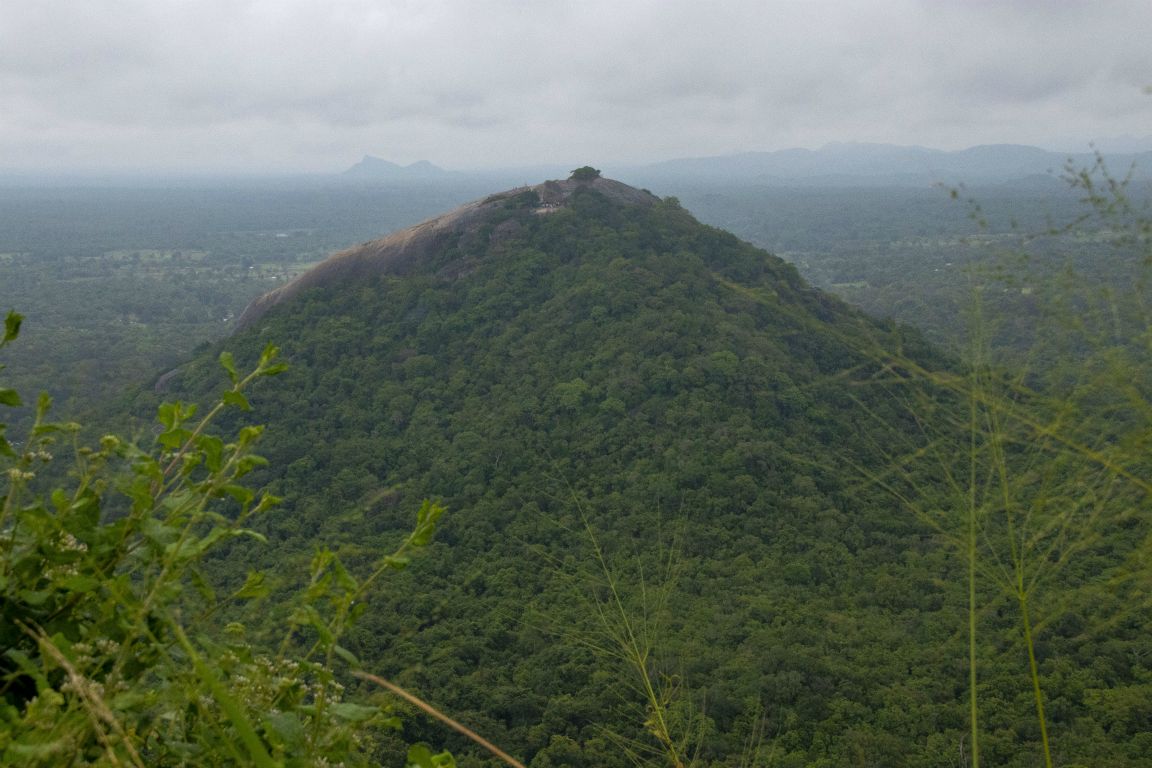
614	401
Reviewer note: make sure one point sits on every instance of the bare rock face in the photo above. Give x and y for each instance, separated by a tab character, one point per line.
400	251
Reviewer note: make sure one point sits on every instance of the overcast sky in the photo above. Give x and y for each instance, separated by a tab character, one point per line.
312	85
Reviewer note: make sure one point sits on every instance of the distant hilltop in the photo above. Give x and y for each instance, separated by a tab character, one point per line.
482	221
377	168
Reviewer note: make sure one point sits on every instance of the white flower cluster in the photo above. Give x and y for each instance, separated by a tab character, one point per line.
69	543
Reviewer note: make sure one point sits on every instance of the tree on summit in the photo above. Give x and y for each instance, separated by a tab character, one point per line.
585	173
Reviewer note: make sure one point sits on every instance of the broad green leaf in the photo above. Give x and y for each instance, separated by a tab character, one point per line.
354	713
47	429
267	501
11	327
321	559
82	516
286	728
43	405
157	532
255	535
34	597
307	616
172	415
229	365
64	645
128	700
173	438
166	414
9	397
247	435
346	655
213	448
268	355
254	586
79	583
192	546
426	518
237	399
238	492
419	756
203	587
248	463
60	749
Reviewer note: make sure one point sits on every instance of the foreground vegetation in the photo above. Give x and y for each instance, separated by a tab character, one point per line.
109	658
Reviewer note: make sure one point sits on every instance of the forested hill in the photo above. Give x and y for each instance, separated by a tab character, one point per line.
655	442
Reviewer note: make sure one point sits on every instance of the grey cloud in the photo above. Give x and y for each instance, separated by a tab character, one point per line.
309	84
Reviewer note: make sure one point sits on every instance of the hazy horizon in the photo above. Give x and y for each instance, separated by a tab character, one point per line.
442	174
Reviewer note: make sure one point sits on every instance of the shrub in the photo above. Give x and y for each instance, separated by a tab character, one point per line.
107	655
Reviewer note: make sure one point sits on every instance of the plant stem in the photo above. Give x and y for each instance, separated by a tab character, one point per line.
424	706
975	401
972	708
1034	669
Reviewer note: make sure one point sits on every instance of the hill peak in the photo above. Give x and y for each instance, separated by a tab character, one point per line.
377	168
403	250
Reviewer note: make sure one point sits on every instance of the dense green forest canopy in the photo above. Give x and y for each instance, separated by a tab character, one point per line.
620	381
121	283
657	442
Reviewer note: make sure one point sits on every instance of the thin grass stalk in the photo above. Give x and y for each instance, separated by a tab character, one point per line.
974	432
973	710
635	646
427	708
1037	693
1020	587
636	654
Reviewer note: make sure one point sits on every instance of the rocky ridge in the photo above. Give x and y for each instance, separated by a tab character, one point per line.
397	252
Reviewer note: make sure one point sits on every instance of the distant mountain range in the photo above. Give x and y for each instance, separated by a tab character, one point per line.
851	164
841	164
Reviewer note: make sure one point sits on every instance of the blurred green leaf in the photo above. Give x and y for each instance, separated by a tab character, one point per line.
11	327
254	586
355	713
236	399
229	365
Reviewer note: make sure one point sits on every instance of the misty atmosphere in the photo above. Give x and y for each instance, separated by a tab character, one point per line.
646	383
